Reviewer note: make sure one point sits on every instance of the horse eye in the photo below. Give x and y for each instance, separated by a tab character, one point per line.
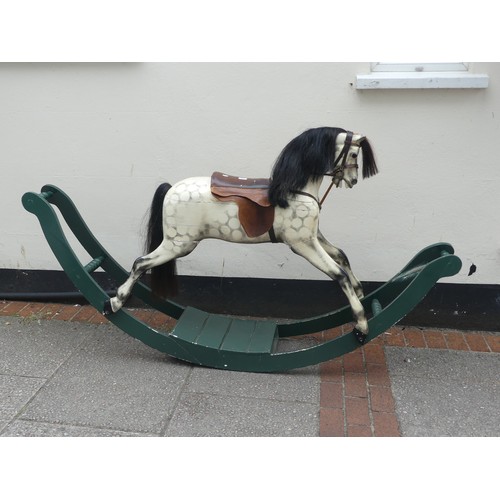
354	155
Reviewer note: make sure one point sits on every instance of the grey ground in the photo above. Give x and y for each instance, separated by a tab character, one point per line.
69	379
75	379
445	393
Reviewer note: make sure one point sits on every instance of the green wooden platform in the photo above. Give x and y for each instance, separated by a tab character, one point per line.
221	341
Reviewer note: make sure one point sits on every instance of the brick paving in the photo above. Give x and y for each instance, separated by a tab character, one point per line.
355	396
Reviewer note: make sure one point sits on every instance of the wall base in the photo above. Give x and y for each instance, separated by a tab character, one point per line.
457	306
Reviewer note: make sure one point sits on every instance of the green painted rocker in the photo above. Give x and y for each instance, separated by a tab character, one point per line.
282	209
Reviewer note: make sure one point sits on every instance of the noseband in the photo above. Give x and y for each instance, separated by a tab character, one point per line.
339	165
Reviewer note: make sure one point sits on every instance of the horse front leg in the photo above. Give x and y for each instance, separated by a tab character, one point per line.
313	251
341	259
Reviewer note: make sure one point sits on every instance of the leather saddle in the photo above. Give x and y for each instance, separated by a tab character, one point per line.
255	212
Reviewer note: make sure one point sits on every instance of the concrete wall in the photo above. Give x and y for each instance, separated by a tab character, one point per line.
108	134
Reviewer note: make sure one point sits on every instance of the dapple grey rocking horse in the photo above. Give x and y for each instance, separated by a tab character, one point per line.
284	209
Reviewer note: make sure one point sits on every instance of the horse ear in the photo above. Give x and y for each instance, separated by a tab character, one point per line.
358	139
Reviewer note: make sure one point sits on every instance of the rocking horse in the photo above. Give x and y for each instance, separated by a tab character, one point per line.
282	209
285	209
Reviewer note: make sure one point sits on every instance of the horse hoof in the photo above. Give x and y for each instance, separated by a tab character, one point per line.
107	310
360	337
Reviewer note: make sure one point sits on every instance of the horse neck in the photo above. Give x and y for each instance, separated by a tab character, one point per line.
312	186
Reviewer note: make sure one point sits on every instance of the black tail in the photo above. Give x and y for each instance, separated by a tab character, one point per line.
164	277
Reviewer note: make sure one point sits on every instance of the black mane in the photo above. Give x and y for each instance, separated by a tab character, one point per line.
309	156
369	164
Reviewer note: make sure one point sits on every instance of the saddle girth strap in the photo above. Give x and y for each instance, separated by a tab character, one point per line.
272	235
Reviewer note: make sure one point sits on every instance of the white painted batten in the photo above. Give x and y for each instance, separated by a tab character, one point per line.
422	80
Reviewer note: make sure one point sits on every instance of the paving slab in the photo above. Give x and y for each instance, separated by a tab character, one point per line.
37	348
226	403
301	385
23	428
212	415
81	379
445	393
113	381
15	393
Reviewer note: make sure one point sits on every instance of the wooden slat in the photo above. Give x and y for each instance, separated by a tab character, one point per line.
249	336
214	331
239	335
225	333
190	324
264	337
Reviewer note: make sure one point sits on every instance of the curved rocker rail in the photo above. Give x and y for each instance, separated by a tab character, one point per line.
389	303
224	342
40	205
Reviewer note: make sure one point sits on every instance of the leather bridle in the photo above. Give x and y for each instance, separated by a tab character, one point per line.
337	173
342	157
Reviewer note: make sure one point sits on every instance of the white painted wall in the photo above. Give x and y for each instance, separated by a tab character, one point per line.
108	134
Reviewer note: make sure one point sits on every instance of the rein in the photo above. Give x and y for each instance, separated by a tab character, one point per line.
338	168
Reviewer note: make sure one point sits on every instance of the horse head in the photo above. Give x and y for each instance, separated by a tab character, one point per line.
345	164
315	153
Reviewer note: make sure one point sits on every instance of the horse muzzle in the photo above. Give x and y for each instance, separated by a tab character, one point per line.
349	183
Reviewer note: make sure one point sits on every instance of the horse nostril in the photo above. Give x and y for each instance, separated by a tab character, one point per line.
354	182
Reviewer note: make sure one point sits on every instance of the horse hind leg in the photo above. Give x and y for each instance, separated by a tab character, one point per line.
140	266
159	256
319	258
